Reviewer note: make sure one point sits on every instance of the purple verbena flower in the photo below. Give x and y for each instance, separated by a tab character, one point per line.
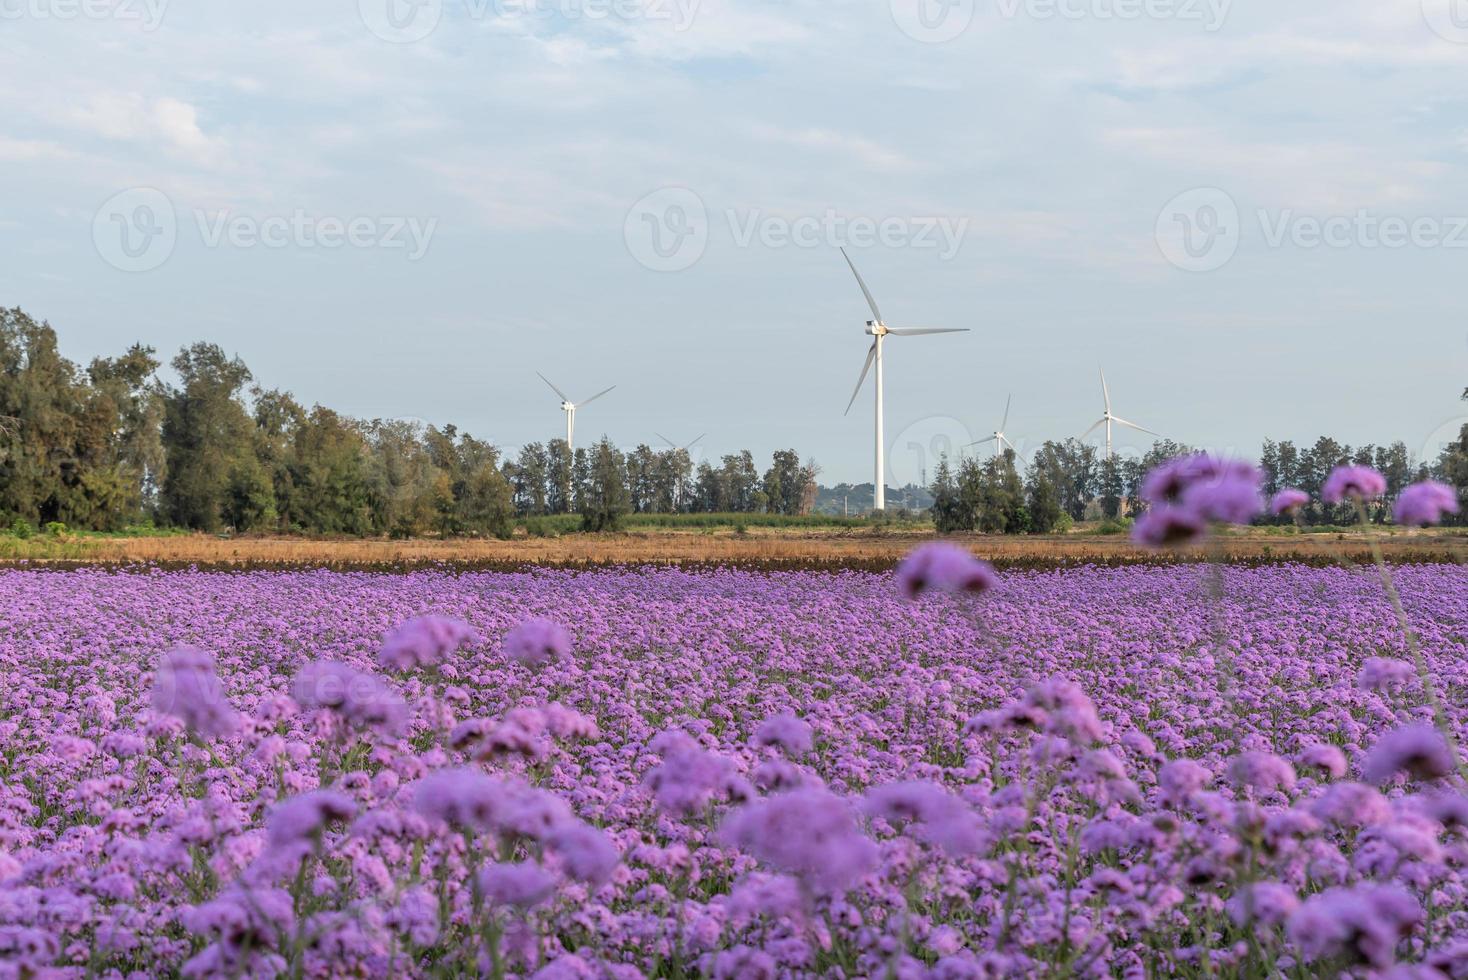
1353	483
424	641
537	641
945	567
1425	503
1418	750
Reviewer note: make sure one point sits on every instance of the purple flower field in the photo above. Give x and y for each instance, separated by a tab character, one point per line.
1094	772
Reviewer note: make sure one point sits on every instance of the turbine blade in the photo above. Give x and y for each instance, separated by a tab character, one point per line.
982	441
594	397
1133	425
1005	424
925	330
1005	440
670	442
864	290
553	387
871	356
695	442
1105	391
1099	423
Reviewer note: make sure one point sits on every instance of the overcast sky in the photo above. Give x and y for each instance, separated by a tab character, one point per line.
1252	214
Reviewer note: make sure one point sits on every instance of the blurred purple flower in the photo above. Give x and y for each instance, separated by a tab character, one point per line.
523	885
1287	501
1384	674
1425	503
536	642
1362	924
785	731
586	853
301	818
808	833
1352	482
945	567
424	642
1418	750
186	687
1169	526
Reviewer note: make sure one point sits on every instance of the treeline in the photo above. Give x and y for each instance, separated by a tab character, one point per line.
1069	481
111	445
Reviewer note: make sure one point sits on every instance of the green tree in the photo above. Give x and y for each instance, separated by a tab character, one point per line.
213	475
603	501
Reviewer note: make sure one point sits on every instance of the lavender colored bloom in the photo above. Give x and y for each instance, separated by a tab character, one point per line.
536	642
1193	480
1362	924
1269	902
945	567
186	687
301	818
1327	758
361	699
1263	771
1169	526
1384	673
523	885
1352	805
1287	501
1417	750
786	731
424	642
1425	503
1180	779
464	799
1353	483
937	816
808	833
586	853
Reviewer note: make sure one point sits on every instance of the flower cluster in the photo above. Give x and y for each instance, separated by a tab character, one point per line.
735	774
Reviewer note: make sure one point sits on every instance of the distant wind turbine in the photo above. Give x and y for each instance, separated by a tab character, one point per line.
569	407
880	331
998	436
674	446
1108	418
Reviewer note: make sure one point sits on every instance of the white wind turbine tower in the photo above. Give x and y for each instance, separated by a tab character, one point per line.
998	435
880	331
1109	418
569	407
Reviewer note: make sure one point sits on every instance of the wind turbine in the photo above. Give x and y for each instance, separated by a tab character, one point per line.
880	331
1109	418
569	407
674	446
998	435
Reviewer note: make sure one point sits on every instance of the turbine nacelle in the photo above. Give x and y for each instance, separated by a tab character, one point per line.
876	328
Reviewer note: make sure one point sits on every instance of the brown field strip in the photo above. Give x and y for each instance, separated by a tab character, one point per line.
758	547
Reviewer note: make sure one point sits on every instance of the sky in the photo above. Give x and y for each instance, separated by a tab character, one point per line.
1251	214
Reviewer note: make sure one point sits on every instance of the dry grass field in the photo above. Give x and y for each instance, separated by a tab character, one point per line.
771	547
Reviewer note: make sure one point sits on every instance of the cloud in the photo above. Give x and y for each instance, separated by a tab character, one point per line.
130	117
